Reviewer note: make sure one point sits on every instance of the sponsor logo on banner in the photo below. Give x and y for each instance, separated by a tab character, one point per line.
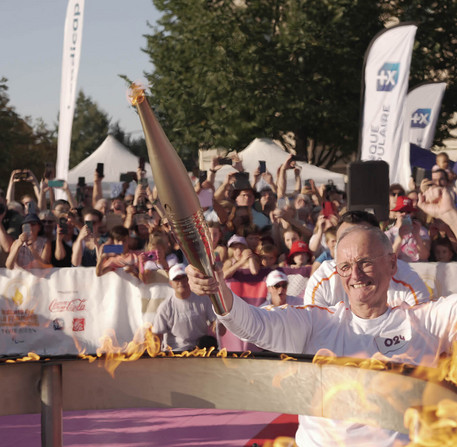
387	77
75	305
79	324
18	317
58	324
421	118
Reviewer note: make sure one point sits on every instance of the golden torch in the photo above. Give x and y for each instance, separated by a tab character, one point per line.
176	193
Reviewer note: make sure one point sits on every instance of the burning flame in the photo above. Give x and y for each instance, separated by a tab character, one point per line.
135	93
433	426
29	357
429	425
282	441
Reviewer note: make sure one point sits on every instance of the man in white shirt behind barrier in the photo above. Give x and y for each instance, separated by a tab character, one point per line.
361	329
324	287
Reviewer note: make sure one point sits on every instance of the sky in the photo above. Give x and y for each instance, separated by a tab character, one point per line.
31	44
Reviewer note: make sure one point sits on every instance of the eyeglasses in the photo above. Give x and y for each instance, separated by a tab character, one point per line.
395	194
47	221
344	269
281	285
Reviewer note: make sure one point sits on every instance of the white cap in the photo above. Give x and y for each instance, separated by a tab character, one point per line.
276	277
177	270
235	239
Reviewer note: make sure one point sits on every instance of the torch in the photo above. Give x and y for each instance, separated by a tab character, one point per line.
176	194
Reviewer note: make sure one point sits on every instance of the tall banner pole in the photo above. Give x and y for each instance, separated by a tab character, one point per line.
423	105
70	67
385	85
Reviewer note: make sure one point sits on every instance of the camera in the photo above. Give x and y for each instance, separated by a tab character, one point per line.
141	162
225	161
127	177
202	176
48	170
63	224
100	169
113	248
23	175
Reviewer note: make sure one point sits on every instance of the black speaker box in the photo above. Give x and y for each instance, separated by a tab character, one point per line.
368	187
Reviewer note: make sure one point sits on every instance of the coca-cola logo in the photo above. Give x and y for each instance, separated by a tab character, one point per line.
76	305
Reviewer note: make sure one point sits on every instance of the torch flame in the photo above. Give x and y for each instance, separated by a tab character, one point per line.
135	93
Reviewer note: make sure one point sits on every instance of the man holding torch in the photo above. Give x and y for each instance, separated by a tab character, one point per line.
365	262
364	328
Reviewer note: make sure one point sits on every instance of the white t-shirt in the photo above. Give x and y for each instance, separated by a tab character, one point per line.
291	300
325	288
419	333
183	321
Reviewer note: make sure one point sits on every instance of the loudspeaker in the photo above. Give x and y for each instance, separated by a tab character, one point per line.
368	187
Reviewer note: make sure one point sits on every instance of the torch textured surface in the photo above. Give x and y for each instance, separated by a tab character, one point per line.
178	197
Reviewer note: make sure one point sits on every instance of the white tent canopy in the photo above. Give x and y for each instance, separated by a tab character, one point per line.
117	159
275	156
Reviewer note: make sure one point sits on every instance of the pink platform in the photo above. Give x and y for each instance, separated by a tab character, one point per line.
144	427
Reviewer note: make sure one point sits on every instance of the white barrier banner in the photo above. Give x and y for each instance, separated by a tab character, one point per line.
69	310
70	66
423	105
386	74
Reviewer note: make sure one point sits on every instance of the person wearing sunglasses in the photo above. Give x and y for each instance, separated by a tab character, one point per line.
395	190
277	283
86	247
49	222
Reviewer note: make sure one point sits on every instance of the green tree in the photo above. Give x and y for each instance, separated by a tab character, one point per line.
225	74
228	71
22	145
90	128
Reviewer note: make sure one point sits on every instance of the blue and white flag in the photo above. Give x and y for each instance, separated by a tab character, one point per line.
386	73
423	105
70	67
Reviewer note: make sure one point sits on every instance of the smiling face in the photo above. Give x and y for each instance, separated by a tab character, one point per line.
366	290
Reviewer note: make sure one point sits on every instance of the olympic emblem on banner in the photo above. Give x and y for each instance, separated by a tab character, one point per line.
17	291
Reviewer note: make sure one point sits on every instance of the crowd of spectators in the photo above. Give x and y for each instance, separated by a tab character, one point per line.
253	223
254	226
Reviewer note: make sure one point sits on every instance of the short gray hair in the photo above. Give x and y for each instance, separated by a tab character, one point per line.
375	232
